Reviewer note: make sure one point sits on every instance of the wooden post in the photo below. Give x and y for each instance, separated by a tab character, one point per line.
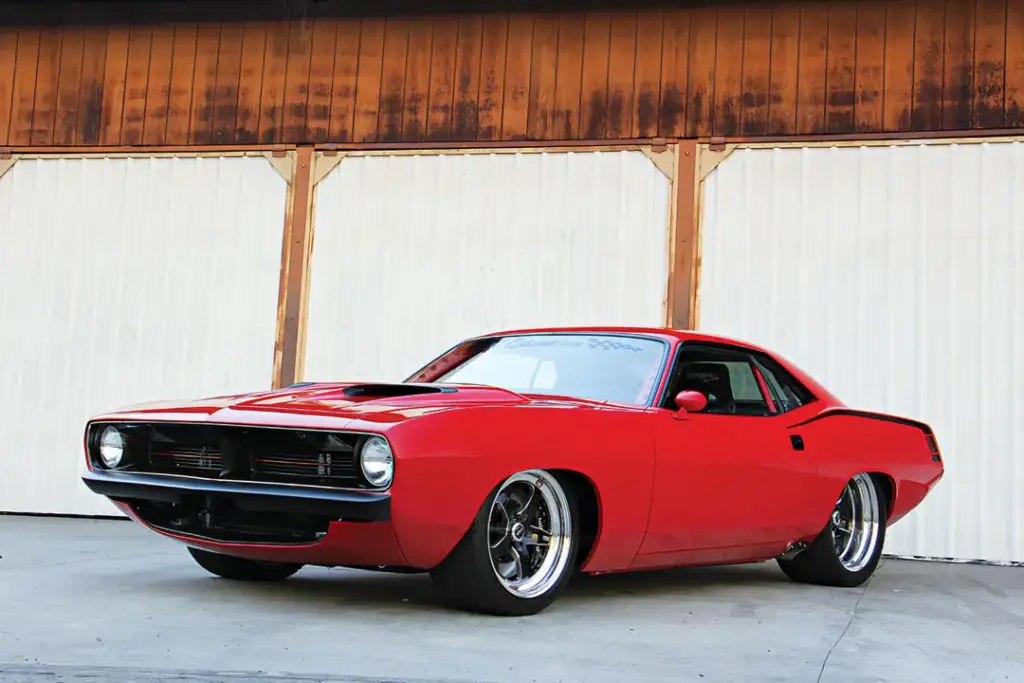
682	274
294	266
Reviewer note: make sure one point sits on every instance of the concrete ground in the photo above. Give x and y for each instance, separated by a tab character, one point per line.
84	600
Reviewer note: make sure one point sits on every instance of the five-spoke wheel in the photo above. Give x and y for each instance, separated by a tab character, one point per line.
520	551
848	549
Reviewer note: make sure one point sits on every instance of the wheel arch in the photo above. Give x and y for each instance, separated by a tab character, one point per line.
887	484
588	504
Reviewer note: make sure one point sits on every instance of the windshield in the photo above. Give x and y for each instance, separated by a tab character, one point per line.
596	367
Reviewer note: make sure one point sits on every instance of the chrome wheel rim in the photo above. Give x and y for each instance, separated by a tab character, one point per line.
855	523
529	533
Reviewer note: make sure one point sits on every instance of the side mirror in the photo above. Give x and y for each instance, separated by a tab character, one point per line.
690	401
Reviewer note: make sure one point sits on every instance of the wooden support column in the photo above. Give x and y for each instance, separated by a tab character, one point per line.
295	255
683	252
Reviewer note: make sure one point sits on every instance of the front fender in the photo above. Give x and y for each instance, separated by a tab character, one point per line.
447	464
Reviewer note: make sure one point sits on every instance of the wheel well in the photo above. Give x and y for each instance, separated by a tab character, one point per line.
888	486
589	509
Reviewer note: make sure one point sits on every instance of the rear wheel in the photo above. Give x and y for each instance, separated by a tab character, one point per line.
520	551
241	569
847	551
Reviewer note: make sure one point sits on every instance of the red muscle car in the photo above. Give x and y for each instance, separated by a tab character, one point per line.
516	459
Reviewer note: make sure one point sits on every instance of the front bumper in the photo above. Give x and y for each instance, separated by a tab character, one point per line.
347	505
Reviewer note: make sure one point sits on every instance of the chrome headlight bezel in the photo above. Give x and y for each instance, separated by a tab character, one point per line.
110	447
377	462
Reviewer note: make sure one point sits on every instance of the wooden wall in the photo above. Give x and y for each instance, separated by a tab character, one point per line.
818	68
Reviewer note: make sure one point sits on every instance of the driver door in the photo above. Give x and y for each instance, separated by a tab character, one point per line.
729	482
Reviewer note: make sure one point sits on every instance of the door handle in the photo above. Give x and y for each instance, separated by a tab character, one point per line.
797	442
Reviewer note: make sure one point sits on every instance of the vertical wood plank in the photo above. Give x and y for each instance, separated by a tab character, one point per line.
158	90
594	86
204	84
392	88
898	97
24	88
441	91
729	73
869	83
292	295
682	284
811	80
296	88
8	53
250	83
650	43
784	77
44	108
989	71
272	92
621	69
417	80
225	90
518	63
90	96
323	54
958	65
343	89
675	66
841	74
1014	113
69	85
543	72
369	79
565	115
140	41
757	65
468	59
491	100
179	100
929	55
700	95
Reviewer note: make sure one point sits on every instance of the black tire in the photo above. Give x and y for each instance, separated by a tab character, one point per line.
820	563
467	580
241	569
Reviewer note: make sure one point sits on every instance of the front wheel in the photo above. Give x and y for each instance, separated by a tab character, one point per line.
520	551
241	569
848	549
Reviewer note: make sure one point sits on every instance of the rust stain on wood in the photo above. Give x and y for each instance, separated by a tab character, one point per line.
723	69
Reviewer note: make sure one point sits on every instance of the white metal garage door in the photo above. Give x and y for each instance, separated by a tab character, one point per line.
413	253
893	273
125	280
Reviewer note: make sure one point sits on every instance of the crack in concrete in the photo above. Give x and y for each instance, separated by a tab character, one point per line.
856	607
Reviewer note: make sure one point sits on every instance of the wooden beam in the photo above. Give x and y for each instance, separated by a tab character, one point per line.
295	254
682	274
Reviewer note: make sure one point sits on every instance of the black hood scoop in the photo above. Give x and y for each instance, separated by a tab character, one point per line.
393	390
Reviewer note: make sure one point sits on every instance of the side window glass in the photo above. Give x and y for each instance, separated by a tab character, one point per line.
788	392
726	379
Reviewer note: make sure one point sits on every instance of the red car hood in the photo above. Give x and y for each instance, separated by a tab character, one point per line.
333	405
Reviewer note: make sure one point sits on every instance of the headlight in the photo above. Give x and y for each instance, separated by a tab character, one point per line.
111	447
377	461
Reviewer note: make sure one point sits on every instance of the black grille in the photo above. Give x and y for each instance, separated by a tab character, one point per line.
241	453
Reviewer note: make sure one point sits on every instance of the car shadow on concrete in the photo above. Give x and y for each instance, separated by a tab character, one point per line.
316	588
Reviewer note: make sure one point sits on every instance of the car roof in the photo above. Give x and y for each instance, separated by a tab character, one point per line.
667	333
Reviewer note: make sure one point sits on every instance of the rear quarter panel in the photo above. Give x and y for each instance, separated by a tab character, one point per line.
448	463
846	442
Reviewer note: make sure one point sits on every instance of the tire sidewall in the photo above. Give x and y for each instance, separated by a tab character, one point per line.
469	579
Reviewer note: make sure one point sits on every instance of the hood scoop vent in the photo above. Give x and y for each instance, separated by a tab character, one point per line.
393	390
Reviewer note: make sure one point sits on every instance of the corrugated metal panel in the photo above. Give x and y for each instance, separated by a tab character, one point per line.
414	253
894	275
121	281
